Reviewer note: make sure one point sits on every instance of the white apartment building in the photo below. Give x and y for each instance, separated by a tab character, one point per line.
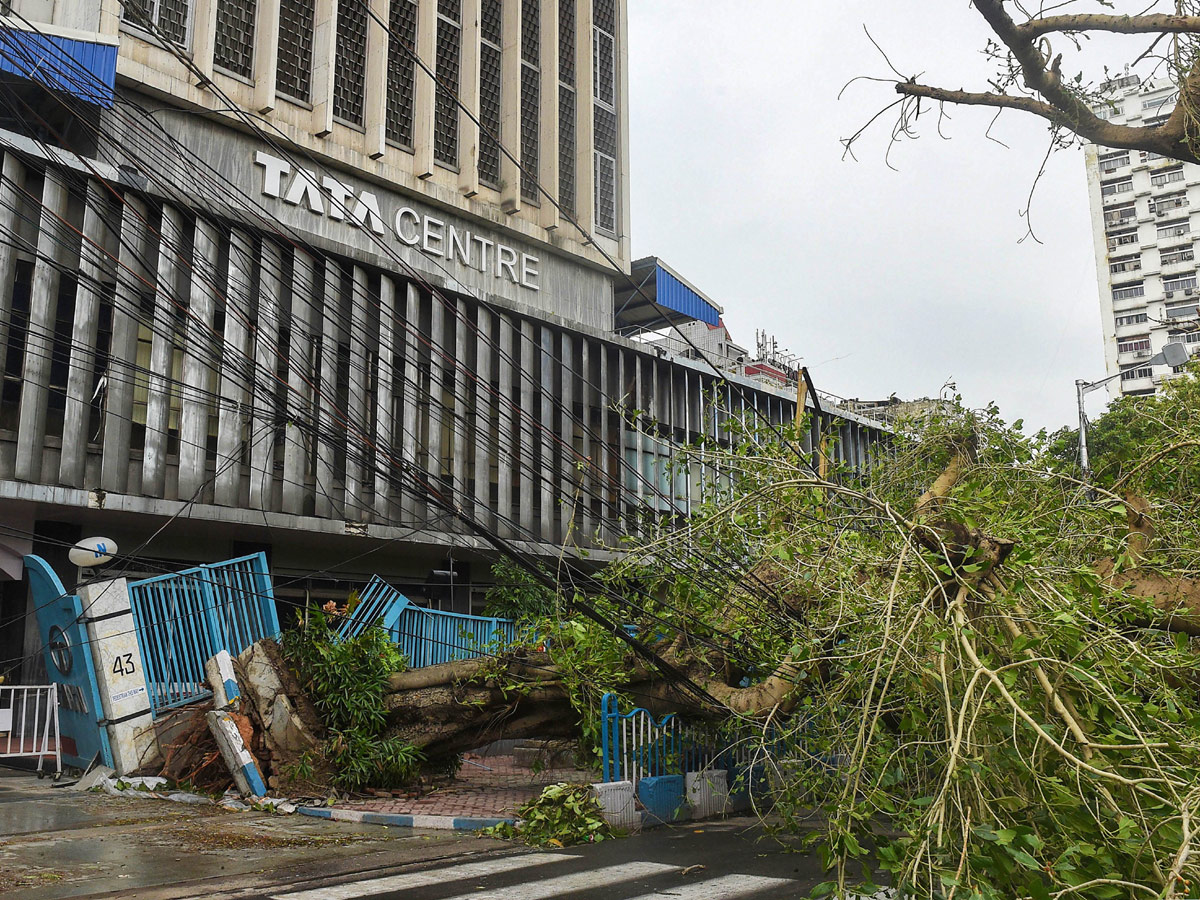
1142	208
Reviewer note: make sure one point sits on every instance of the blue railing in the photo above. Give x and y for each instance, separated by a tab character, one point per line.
636	745
184	618
426	637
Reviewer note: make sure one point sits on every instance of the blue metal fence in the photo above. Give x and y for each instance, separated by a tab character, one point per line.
426	637
184	618
636	745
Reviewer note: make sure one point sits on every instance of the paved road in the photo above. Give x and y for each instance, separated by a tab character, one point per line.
710	862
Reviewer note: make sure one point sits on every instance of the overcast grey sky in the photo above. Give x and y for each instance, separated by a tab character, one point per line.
882	281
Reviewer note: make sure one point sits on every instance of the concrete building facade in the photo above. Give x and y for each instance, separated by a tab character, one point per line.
266	284
1144	234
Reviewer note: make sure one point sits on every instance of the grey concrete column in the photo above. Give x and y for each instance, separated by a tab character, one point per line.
385	404
439	415
197	358
485	402
506	450
231	416
330	425
118	394
639	454
412	502
12	182
527	462
571	474
461	422
162	349
587	474
299	391
39	340
263	426
626	488
550	477
361	343
93	267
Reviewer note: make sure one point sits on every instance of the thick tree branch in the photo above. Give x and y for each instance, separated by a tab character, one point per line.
1147	24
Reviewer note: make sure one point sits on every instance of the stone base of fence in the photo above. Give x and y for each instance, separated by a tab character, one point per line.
663	799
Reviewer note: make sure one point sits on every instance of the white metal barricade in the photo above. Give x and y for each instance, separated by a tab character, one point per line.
29	724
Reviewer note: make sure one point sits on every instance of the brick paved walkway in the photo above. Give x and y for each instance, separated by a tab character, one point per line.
492	792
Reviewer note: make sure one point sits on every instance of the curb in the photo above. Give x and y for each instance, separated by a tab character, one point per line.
396	820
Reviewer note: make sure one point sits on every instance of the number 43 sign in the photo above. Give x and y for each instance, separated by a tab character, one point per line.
123	665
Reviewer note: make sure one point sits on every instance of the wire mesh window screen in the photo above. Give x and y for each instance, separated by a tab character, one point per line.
566	41
451	9
167	19
604	15
606	131
604	64
566	148
401	76
294	76
530	126
233	41
531	30
350	61
491	22
489	113
445	107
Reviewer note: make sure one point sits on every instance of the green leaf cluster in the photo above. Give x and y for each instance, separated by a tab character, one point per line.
561	816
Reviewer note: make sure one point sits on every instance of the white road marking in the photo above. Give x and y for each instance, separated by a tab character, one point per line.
424	879
717	888
608	877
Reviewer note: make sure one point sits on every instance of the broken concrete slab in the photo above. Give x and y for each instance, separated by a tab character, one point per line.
222	679
289	721
93	778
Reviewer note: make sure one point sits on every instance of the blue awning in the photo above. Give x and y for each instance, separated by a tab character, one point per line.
656	296
83	69
672	293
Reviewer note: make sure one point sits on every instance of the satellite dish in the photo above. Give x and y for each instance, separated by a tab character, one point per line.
92	552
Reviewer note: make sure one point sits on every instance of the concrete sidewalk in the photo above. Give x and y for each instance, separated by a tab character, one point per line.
56	843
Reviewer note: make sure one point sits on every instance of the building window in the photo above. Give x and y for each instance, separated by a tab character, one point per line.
1163	205
1129	373
1155	121
1122	186
1134	345
294	76
1184	283
531	96
1125	291
604	75
401	74
1159	102
567	146
491	30
1122	238
1112	162
1120	214
350	62
448	66
1149	156
1132	319
1167	177
1188	311
1186	254
1184	337
1174	229
233	42
166	19
1125	264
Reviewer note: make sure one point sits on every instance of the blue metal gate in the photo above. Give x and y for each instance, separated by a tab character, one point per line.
184	618
69	664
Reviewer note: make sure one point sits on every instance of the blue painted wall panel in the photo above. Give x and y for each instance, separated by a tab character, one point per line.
674	294
82	69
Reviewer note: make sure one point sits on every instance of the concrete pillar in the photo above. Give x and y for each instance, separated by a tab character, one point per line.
527	464
485	402
12	182
324	46
230	417
587	474
468	96
362	341
549	477
386	459
569	482
506	450
585	98
375	99
439	414
266	347
410	502
424	89
329	424
548	124
461	421
510	108
197	360
118	397
299	395
162	348
120	676
266	56
93	266
39	339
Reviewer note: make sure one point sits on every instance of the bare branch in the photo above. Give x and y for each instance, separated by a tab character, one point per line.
1145	24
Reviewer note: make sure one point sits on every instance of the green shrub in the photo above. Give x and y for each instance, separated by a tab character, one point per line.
347	681
562	815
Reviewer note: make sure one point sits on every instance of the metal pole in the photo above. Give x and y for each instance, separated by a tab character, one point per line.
1080	386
